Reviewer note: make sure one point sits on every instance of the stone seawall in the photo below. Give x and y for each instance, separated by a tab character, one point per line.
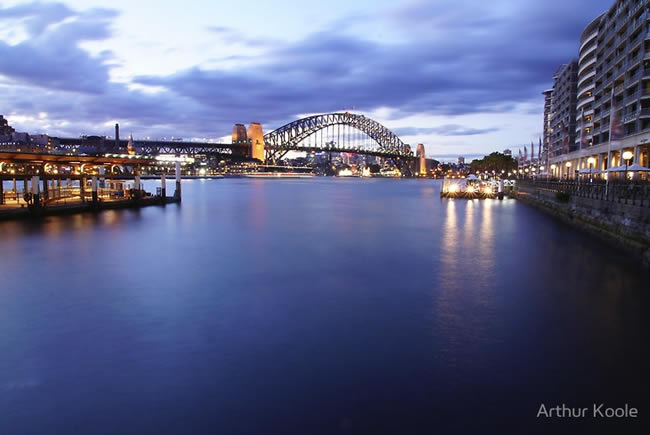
625	225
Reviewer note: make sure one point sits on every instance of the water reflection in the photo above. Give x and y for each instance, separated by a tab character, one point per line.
302	304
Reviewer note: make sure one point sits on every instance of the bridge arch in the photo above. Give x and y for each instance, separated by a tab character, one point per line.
289	136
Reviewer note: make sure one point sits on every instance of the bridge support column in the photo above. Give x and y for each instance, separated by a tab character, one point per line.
15	189
25	187
82	189
177	193
94	187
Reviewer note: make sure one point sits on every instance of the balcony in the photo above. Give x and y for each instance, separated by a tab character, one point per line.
632	97
631	80
629	117
618	89
644	113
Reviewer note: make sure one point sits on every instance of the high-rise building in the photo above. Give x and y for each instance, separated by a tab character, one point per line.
461	160
563	119
612	77
548	127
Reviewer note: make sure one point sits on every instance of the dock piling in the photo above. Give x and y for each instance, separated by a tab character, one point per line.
94	187
36	190
163	188
177	193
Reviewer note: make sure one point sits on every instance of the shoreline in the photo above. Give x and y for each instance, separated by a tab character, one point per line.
575	215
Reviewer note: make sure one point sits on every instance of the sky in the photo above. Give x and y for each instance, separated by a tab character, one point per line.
463	77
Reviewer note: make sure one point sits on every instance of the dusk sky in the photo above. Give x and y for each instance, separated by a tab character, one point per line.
463	77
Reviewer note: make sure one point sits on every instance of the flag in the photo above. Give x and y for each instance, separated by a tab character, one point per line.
615	127
532	152
525	153
565	138
520	157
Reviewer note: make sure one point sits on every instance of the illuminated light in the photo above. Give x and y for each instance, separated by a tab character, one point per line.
202	172
453	188
627	155
567	164
470	189
591	161
345	173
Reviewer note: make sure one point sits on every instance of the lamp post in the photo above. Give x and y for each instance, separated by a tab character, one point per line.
568	167
591	161
627	155
553	168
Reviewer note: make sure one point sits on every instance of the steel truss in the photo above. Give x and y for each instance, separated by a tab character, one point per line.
288	137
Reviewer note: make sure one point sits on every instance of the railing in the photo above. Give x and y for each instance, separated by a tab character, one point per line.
630	116
633	193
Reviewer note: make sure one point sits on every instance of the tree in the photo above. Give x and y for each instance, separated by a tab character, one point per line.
496	162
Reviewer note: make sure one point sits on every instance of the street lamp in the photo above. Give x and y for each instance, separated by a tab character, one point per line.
553	168
568	167
591	161
627	155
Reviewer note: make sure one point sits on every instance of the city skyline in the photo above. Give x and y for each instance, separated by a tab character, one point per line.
432	73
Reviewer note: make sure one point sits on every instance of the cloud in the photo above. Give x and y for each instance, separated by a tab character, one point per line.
452	58
233	36
443	130
479	62
51	57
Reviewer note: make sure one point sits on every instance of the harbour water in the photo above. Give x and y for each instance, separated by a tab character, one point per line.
316	306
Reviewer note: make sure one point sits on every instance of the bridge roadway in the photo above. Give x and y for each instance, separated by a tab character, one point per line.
236	150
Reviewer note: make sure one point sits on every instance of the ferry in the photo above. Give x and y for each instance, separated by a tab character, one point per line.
472	188
389	172
277	175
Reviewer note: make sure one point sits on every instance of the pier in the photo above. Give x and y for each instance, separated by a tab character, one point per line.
43	184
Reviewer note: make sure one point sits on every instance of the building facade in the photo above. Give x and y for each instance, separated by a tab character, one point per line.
563	119
612	91
547	128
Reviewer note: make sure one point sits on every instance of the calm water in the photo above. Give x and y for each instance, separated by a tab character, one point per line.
315	306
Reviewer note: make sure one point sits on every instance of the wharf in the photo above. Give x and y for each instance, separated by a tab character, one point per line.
21	210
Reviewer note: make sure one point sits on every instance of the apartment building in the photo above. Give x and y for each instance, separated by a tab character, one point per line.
612	88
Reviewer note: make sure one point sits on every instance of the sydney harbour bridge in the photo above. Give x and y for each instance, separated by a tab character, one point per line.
341	132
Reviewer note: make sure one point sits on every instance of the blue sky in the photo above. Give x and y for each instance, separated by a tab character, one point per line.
464	77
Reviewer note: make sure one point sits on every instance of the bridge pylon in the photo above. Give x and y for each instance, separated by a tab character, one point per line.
422	160
256	138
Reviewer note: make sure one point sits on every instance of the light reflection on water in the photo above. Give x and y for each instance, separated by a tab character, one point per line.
304	306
